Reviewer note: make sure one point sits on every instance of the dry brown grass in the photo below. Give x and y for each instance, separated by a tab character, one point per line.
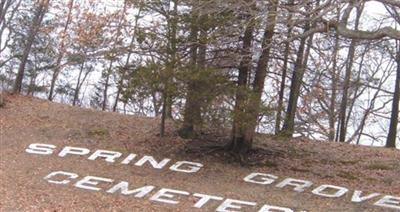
26	120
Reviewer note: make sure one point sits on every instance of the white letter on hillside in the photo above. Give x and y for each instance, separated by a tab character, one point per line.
340	191
264	179
389	202
269	208
152	161
299	185
63	182
167	194
191	167
229	204
73	151
358	198
40	149
204	198
123	186
110	156
128	159
90	182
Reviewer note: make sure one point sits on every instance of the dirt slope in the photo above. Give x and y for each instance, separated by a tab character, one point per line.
22	188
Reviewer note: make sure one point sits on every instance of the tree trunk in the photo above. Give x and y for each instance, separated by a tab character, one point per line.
121	80
128	58
242	139
8	10
334	84
192	114
297	80
4	6
357	93
37	20
346	84
57	68
2	99
32	83
163	116
394	118
284	75
332	102
156	104
117	97
77	87
106	85
239	123
170	69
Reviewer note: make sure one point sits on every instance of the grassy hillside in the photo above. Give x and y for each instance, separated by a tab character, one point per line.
26	120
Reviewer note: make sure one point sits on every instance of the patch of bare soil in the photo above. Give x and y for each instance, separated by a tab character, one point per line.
27	120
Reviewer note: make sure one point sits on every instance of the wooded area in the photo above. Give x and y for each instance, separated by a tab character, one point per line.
319	69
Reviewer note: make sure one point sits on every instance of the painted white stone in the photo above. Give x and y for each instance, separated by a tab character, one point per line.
356	197
69	175
150	159
230	204
321	191
204	199
389	202
260	178
89	182
69	150
166	195
270	208
169	195
40	149
123	188
113	156
299	185
110	156
186	167
128	159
